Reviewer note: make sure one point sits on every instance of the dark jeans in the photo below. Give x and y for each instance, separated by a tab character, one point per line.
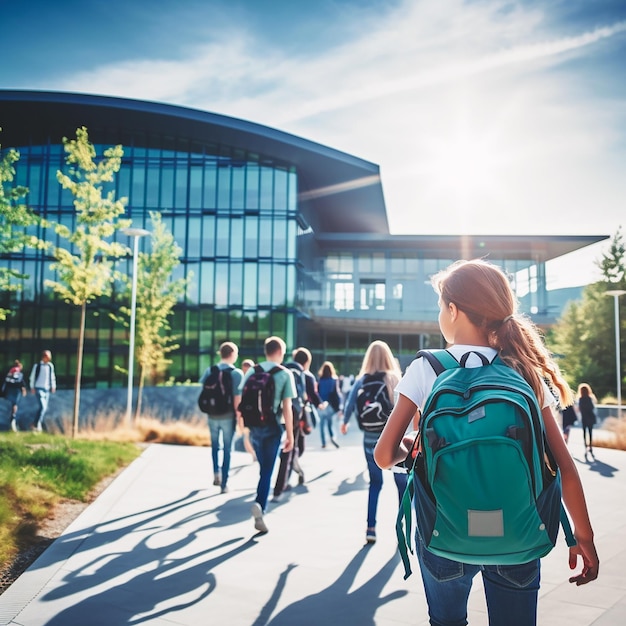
266	442
290	461
510	590
376	478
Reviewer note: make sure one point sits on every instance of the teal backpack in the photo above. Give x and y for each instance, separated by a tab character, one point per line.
485	486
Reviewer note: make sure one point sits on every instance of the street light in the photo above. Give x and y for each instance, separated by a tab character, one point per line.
616	293
134	233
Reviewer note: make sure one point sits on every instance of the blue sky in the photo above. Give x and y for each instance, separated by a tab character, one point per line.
485	116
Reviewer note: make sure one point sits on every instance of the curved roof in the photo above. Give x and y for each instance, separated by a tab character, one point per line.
333	185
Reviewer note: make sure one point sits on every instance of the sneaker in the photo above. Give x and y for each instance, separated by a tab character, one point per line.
13	426
301	479
224	490
370	536
217	480
38	428
257	513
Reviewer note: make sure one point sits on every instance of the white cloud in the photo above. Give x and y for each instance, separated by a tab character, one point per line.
459	103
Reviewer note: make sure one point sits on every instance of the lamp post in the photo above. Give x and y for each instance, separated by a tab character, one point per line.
134	233
616	293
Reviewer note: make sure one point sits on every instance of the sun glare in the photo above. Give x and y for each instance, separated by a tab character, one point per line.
465	164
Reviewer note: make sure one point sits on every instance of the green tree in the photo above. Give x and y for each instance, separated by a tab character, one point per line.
157	294
15	218
584	336
85	268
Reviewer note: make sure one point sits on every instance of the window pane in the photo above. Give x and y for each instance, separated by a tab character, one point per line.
251	250
265	238
280	239
252	186
208	236
267	188
223	188
210	186
221	284
236	238
250	285
195	187
280	191
167	184
238	188
235	287
223	237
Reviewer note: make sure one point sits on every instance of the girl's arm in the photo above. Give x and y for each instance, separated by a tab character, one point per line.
574	499
391	448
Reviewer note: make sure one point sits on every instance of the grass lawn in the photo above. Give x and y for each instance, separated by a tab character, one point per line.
39	470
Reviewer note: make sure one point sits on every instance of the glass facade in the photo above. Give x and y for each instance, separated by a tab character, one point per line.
233	215
280	236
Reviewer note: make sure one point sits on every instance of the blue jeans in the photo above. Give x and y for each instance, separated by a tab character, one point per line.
510	590
376	478
266	443
227	427
326	423
43	396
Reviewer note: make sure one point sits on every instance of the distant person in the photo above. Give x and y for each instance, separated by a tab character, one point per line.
13	388
226	385
568	418
371	398
587	408
43	382
307	399
329	388
266	437
246	364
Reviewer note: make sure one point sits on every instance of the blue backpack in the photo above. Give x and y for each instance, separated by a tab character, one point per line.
485	485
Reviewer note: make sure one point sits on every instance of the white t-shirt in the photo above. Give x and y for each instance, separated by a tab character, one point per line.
420	376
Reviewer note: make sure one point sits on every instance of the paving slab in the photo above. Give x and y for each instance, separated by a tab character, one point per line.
162	546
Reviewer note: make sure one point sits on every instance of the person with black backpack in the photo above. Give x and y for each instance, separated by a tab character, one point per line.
13	388
473	484
265	408
219	398
371	398
303	422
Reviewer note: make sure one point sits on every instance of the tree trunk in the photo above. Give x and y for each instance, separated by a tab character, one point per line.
79	368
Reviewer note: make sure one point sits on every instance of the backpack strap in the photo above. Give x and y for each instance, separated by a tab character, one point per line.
567	528
440	360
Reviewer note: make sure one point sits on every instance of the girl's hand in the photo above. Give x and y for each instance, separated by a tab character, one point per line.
591	564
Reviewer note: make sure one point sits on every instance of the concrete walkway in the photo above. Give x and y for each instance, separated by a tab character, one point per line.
162	546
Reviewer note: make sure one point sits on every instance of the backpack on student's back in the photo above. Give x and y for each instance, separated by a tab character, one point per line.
216	397
373	404
257	398
301	414
485	485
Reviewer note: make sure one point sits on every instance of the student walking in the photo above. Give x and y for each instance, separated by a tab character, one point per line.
330	392
478	316
371	398
13	388
224	391
587	408
275	418
43	382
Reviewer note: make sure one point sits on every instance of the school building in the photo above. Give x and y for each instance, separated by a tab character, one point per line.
280	236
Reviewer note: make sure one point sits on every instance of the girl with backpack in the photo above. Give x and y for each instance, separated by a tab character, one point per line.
587	406
478	314
330	393
374	389
13	388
